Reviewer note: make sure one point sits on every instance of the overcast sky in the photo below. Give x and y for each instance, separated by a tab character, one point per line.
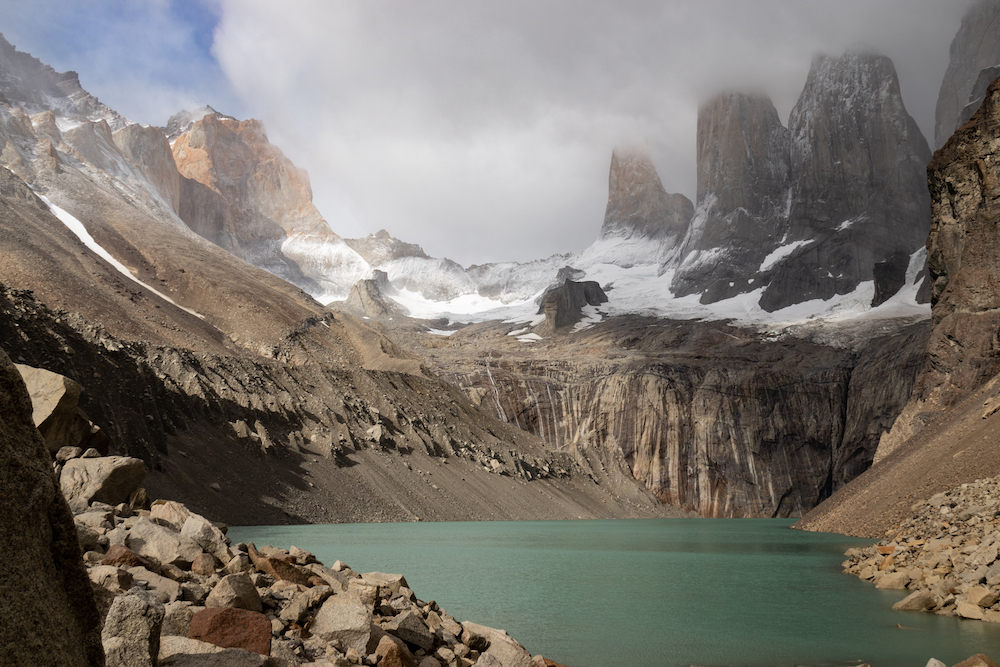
481	130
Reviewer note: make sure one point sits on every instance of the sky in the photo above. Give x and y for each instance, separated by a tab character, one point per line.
480	130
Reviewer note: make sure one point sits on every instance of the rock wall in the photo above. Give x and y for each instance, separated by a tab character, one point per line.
637	203
743	182
708	417
47	610
976	47
963	247
859	192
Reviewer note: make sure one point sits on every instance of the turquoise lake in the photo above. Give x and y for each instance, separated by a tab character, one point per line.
650	592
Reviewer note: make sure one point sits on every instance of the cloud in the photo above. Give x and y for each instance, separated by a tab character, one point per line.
484	130
481	130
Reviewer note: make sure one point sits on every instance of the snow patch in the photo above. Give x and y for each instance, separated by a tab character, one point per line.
81	232
780	253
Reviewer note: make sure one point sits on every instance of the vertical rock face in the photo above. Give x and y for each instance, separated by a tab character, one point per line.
637	203
963	247
742	194
147	148
271	217
47	611
976	47
858	185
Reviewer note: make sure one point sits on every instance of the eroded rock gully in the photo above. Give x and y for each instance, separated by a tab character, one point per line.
707	416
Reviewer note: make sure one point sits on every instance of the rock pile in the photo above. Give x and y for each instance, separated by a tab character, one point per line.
174	591
946	555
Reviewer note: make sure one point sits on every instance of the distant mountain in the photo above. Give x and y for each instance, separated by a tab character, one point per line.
974	64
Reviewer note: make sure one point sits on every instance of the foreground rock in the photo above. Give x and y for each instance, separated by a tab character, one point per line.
172	600
47	611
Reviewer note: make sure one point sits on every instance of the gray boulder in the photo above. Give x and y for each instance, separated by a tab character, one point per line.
131	634
502	647
47	612
235	590
922	600
344	618
207	536
161	544
410	627
108	479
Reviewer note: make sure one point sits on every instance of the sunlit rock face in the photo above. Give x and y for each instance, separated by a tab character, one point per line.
976	48
272	219
742	196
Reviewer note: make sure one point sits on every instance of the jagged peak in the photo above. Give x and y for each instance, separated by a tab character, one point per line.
183	120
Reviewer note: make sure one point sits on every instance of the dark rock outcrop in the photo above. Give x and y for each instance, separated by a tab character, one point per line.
47	610
638	206
563	306
369	299
858	171
743	181
890	276
976	47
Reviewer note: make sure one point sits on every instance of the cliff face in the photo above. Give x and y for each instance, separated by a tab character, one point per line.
975	48
946	435
638	206
742	196
858	187
708	417
265	204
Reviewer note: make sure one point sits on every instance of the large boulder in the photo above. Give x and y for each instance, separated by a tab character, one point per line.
47	610
502	649
106	479
185	652
161	544
235	590
227	627
131	632
56	413
345	619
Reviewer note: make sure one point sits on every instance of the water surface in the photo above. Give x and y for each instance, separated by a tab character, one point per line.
650	592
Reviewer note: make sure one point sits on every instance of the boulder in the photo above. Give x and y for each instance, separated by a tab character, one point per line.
108	479
981	596
204	565
235	590
978	660
165	589
278	568
177	619
131	634
111	578
297	610
55	411
169	512
922	600
228	627
390	582
121	556
502	647
48	616
969	610
186	652
392	654
342	618
893	581
207	536
161	545
411	628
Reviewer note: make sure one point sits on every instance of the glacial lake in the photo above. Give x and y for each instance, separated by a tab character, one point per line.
667	592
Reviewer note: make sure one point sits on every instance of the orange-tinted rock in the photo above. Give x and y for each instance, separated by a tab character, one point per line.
233	628
121	556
